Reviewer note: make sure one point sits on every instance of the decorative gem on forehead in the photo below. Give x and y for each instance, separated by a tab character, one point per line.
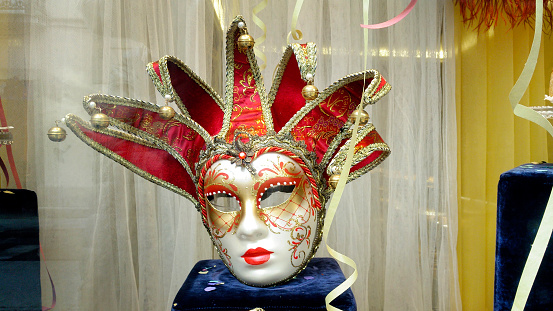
241	152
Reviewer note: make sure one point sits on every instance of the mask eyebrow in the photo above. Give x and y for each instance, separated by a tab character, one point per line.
272	182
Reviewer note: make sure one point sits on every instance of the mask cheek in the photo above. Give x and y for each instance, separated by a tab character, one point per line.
221	223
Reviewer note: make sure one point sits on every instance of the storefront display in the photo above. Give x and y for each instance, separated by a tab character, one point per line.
258	166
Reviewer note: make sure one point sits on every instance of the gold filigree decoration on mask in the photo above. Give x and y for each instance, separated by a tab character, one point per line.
300	235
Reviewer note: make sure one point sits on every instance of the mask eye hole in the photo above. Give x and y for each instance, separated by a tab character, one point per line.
223	202
276	195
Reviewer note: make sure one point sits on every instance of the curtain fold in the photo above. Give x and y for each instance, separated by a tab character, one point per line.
492	140
117	242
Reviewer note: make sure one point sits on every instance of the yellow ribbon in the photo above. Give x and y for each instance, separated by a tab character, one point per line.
333	206
331	211
543	235
261	39
296	33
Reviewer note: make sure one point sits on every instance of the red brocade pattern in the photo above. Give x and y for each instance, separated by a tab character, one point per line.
247	115
180	137
320	125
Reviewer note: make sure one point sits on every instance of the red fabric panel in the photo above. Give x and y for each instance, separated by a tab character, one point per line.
154	161
183	139
200	105
323	123
288	99
187	142
246	115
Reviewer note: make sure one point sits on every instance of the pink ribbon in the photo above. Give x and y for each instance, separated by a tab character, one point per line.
393	20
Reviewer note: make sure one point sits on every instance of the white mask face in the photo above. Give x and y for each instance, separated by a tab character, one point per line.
265	224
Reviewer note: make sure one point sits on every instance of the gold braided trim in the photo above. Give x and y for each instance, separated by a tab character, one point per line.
343	134
368	150
164	71
326	93
371	95
306	58
229	87
114	133
337	163
285	141
72	123
156	79
135	103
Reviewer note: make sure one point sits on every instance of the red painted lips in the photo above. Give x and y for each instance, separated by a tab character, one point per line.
256	256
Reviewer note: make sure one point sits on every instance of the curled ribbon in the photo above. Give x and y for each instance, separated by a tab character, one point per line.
393	20
261	39
543	235
296	33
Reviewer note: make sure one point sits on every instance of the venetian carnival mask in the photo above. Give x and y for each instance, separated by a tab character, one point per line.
258	166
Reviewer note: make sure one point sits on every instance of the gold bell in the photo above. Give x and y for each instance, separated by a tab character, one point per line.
363	116
57	134
166	112
99	120
333	181
310	92
245	42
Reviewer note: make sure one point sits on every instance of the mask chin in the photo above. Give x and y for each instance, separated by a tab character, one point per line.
265	226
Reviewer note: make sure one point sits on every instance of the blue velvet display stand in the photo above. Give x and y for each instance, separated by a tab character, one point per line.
522	196
19	251
305	292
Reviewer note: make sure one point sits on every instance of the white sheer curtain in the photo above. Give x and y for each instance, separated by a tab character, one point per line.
116	242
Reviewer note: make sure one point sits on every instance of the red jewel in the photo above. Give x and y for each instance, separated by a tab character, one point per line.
242	155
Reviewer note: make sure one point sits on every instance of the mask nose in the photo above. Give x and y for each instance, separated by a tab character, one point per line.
251	227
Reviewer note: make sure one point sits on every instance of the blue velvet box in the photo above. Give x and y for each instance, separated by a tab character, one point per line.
306	291
19	251
522	196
